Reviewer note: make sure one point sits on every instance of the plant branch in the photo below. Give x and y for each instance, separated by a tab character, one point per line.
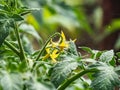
22	53
73	78
13	48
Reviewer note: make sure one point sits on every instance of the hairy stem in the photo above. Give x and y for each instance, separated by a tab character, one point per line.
73	78
43	48
13	48
22	53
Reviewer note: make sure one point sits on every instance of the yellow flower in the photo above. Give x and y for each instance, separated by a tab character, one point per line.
53	54
63	36
46	56
64	43
53	49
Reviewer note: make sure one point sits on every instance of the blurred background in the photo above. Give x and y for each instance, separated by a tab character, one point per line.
94	23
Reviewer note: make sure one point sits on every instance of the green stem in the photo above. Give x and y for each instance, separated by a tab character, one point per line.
22	53
13	48
43	48
73	78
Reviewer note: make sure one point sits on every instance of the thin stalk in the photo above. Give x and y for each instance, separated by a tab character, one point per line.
73	78
43	48
22	53
13	48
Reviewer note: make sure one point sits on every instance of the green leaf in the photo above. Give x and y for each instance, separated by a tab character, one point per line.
60	13
35	85
87	49
89	60
27	45
3	17
17	17
4	32
1	6
72	48
107	56
30	30
118	54
114	26
96	54
62	70
82	18
24	10
117	69
117	44
10	81
106	78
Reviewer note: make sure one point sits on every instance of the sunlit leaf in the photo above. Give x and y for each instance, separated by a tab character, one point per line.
72	48
107	56
62	70
106	78
11	81
35	85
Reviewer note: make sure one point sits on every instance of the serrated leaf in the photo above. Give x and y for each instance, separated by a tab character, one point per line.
106	78
3	31
11	81
107	56
72	48
62	70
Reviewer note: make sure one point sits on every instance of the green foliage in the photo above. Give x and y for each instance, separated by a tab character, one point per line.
11	81
87	49
62	70
57	65
72	48
35	85
106	78
56	14
3	31
107	56
28	29
76	17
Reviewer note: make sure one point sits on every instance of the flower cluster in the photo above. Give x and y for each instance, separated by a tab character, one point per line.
53	49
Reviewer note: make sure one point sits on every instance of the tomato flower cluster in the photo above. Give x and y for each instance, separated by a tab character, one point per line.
53	49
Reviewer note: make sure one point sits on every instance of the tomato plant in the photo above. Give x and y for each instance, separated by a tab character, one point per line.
56	66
